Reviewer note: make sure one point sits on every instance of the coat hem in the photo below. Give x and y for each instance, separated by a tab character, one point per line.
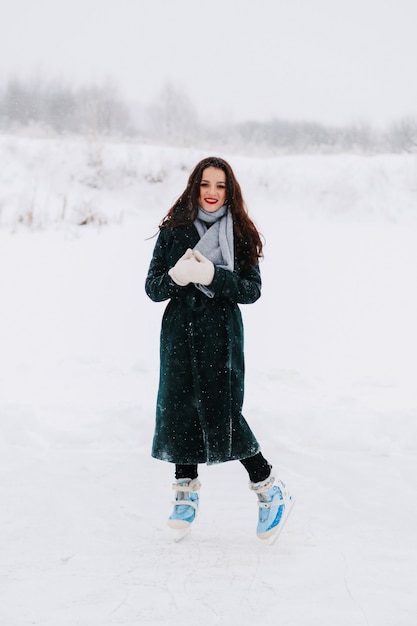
205	461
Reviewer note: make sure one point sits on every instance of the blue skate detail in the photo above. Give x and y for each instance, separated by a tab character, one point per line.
186	503
274	503
271	507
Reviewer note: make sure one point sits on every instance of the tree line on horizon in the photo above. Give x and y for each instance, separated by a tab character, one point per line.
173	119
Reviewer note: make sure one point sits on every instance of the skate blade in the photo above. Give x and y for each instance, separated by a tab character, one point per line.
180	533
180	528
288	508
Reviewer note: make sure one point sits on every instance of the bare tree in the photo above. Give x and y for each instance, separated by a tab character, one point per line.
96	109
172	117
402	135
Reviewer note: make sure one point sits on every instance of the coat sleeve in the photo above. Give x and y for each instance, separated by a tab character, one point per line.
243	287
159	285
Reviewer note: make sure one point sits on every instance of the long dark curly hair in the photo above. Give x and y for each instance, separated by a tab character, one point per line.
249	247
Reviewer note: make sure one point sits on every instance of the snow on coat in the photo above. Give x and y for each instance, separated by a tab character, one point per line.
201	386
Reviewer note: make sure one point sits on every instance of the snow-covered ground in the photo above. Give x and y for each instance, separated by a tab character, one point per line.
331	352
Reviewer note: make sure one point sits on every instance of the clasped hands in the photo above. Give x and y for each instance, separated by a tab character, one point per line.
192	267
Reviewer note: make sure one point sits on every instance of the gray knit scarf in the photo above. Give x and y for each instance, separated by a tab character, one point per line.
216	241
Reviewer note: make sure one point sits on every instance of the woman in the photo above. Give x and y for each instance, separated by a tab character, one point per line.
205	262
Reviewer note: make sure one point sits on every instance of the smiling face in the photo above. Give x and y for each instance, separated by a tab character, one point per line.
212	189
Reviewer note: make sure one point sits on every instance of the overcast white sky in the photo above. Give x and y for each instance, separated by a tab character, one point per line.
328	60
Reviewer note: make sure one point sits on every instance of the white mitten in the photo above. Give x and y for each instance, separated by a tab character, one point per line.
203	271
180	273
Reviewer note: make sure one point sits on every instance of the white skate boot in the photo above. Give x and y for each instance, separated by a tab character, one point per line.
275	503
185	506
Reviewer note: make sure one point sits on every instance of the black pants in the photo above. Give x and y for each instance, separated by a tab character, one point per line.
257	467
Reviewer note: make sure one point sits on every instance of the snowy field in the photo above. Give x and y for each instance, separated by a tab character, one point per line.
331	351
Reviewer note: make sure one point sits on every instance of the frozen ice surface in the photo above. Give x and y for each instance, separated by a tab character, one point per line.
331	351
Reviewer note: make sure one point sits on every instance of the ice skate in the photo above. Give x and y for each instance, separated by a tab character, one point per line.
185	506
275	504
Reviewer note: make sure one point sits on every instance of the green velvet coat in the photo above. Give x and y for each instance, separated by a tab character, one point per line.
201	386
